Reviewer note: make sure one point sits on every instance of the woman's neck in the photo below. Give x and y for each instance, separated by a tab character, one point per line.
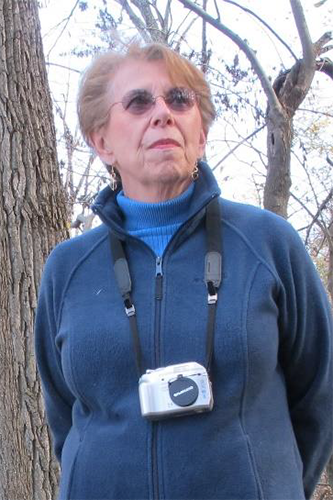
146	215
158	193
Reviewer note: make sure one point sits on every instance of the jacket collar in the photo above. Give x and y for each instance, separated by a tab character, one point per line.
106	207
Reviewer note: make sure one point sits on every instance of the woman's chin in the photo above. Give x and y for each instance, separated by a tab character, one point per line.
171	172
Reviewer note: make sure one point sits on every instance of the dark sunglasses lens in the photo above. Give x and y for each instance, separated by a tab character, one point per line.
139	102
180	99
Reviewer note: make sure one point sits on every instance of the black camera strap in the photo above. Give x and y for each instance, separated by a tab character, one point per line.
213	271
124	281
213	276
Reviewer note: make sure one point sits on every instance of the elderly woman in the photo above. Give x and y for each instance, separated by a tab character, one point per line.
237	401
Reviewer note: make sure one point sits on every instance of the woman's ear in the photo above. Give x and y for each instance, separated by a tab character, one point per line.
102	148
202	143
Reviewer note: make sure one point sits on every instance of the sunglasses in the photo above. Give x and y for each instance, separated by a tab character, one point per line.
140	101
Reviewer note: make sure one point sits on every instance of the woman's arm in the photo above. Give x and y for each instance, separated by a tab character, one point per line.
58	398
306	358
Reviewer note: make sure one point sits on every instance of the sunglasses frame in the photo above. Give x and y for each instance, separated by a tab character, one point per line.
130	96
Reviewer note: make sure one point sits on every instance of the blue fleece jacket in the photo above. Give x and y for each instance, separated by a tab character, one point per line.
270	431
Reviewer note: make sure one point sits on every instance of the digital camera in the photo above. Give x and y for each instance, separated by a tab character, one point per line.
174	391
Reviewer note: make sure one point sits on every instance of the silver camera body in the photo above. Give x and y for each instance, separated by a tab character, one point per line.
174	391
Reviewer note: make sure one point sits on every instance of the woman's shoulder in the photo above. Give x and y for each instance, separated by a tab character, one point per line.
270	237
257	224
69	253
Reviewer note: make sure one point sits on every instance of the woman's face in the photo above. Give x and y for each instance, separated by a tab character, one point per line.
154	152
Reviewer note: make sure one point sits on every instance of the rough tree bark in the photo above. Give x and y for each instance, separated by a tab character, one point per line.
330	286
32	220
152	26
291	89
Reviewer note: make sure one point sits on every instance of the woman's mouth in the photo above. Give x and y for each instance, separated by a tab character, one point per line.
164	144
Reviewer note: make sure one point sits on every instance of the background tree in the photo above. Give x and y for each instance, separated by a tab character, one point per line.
32	219
284	97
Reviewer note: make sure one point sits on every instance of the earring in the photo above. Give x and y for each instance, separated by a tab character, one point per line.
195	172
113	179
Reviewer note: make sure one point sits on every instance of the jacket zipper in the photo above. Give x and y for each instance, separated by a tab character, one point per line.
158	299
155	425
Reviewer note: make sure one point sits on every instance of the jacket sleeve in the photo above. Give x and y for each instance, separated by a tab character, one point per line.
306	358
58	399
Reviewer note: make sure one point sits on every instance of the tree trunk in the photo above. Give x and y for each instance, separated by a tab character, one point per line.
32	220
329	470
330	280
278	179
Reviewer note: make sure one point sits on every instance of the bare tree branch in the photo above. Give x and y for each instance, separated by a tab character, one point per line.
63	67
67	19
303	165
237	146
323	113
319	4
319	45
167	14
314	218
266	84
326	49
318	213
182	37
217	10
325	65
204	55
304	35
84	179
265	24
138	23
298	79
161	19
155	31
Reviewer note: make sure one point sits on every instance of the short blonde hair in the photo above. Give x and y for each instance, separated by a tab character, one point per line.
93	99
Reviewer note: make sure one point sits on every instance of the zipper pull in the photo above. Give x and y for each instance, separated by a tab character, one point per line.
158	279
159	266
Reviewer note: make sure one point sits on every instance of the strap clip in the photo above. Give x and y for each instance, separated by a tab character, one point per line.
129	307
212	293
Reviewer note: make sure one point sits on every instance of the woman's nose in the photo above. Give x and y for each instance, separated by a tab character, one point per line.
161	114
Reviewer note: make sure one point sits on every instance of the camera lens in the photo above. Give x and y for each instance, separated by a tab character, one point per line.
183	391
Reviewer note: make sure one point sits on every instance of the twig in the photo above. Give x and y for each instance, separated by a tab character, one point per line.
266	84
63	29
217	11
319	223
265	24
237	146
304	35
315	112
64	67
320	209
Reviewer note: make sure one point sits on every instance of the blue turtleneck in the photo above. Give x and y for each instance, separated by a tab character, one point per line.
155	223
